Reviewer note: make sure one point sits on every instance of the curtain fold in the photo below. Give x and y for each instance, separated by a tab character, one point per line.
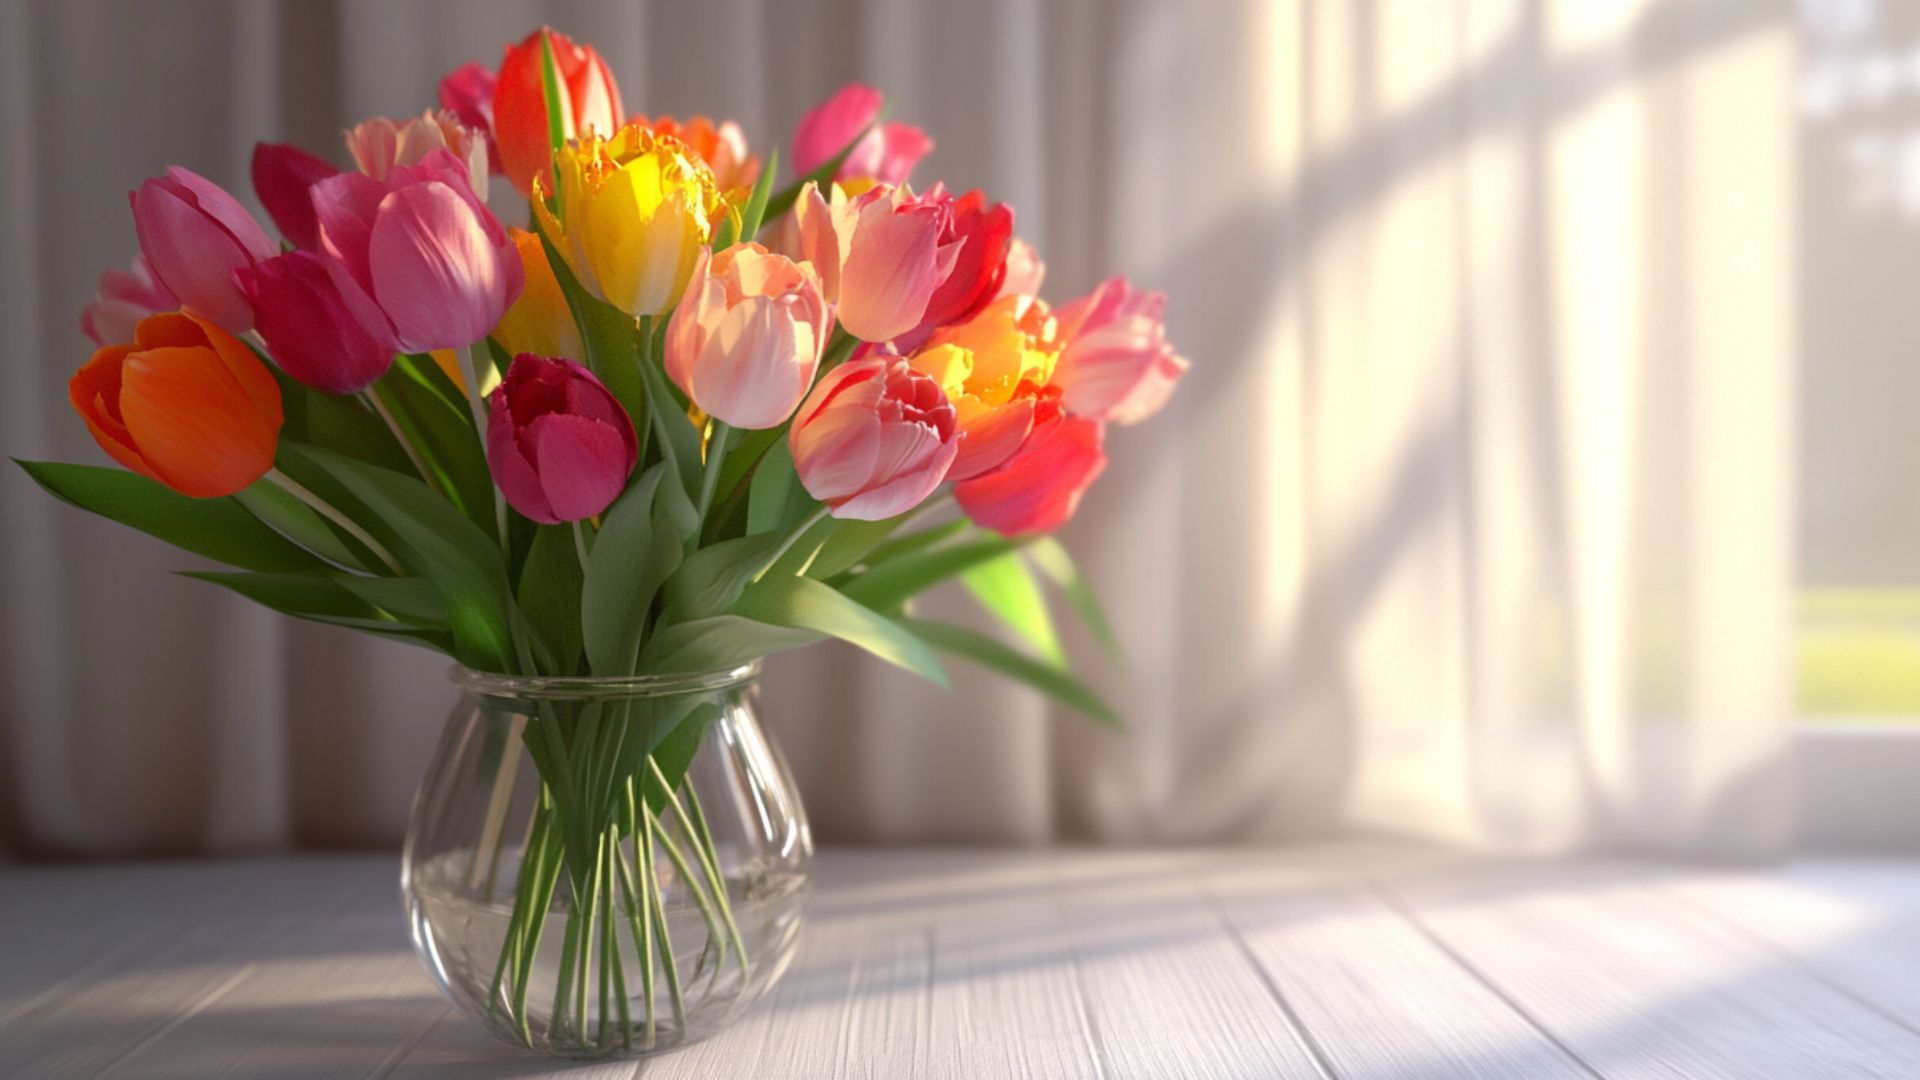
1472	520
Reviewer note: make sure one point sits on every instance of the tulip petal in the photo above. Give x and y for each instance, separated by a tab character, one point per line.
194	424
192	253
94	392
582	463
1039	489
434	272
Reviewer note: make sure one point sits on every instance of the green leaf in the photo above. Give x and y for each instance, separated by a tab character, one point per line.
674	751
712	578
1006	589
322	599
728	231
549	594
915	542
805	604
556	104
295	520
1051	557
344	425
783	200
756	209
889	584
435	541
441	431
776	501
635	551
987	652
849	543
679	442
605	330
220	529
719	641
408	599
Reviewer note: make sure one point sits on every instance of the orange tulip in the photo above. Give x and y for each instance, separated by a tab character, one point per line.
539	321
722	146
185	404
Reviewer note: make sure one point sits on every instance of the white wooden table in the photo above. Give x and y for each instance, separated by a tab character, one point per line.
1347	961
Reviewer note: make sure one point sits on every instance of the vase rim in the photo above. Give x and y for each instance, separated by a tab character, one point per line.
576	687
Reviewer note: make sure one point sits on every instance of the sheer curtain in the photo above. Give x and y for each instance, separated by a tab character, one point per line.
1471	520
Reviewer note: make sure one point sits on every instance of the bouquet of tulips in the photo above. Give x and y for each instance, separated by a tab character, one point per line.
687	417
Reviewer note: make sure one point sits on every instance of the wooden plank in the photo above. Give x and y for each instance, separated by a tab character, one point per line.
1377	996
1639	984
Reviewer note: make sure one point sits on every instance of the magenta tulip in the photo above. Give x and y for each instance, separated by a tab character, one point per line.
558	444
886	154
873	439
881	256
417	256
194	235
283	178
307	327
1117	364
124	298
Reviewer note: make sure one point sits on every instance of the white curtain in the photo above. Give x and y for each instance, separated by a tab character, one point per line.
1472	520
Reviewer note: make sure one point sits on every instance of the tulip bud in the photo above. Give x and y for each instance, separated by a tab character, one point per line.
1040	486
307	326
885	155
880	256
122	300
873	439
1117	364
746	339
417	257
185	404
467	93
559	446
540	322
590	100
194	236
379	144
283	178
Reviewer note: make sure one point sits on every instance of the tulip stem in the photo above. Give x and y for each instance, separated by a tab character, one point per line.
470	374
580	544
372	397
325	509
717	438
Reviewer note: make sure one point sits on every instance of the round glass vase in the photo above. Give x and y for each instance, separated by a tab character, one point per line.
606	867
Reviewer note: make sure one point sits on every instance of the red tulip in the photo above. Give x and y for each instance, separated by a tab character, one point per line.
590	99
123	299
194	236
559	446
880	255
283	178
984	232
307	327
1040	486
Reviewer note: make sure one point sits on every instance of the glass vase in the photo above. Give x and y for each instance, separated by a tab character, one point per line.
606	867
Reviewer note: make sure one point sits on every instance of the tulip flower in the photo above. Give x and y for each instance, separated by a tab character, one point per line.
185	403
886	154
1117	364
994	367
746	339
467	93
283	178
983	232
417	257
880	255
379	144
194	236
1025	271
559	446
307	326
873	439
1038	488
723	148
638	209
590	101
122	300
540	322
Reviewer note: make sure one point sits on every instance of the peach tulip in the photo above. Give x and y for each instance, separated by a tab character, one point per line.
722	146
886	154
881	255
194	235
1117	364
124	298
185	403
746	339
379	144
993	367
1038	488
590	100
873	439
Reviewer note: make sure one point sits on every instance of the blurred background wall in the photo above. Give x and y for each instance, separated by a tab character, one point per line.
1476	517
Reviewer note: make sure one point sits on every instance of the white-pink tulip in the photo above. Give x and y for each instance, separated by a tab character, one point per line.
746	339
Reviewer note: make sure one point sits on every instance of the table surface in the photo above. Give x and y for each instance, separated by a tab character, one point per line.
1339	961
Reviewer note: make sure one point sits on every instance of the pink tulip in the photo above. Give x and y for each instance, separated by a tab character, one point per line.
983	231
467	93
881	256
1025	271
417	257
283	178
1117	364
747	336
307	327
558	444
124	298
1038	488
886	155
873	439
194	236
379	144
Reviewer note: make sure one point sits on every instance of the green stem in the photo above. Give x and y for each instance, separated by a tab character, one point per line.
693	884
716	454
698	833
638	903
661	938
580	544
610	942
326	510
470	358
372	397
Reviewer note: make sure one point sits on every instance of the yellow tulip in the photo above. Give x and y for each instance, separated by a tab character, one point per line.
635	211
